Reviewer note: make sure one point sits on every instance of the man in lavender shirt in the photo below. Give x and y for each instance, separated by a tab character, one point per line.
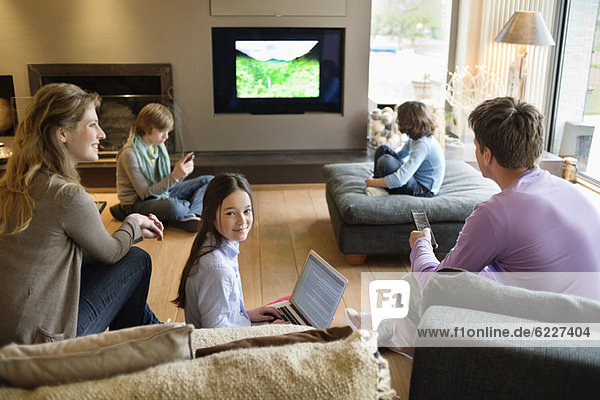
538	223
539	232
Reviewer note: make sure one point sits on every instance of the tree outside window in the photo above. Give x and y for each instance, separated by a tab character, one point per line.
409	50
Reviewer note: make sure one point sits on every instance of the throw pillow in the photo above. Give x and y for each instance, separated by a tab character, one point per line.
95	356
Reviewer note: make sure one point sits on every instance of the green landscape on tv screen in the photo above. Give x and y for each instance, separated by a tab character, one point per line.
276	69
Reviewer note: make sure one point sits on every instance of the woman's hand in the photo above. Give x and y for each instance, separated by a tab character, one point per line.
183	167
151	227
265	314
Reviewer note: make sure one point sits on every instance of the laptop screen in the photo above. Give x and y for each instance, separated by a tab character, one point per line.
318	291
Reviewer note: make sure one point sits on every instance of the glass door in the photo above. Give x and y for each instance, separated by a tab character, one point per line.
409	50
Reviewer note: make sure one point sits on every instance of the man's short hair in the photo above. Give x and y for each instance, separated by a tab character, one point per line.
513	131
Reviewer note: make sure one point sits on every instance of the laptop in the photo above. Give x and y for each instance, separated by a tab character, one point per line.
316	296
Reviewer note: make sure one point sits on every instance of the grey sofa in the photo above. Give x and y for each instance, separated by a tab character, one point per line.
381	225
508	369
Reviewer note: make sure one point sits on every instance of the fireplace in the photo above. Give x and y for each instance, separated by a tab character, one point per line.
125	89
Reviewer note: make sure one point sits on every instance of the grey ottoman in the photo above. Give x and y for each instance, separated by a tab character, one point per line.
382	225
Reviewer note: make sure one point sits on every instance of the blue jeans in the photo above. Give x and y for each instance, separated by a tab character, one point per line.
185	199
114	296
387	161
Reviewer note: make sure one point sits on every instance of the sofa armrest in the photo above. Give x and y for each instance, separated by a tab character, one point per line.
462	289
508	372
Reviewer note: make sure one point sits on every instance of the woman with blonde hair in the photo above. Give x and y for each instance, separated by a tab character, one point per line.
63	275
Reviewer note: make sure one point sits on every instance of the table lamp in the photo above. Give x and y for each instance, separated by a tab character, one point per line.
523	28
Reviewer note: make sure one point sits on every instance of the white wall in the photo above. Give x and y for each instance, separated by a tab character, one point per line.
178	32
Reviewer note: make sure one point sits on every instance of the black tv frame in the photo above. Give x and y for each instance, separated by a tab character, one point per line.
224	54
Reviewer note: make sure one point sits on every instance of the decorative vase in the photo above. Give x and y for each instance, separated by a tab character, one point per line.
422	89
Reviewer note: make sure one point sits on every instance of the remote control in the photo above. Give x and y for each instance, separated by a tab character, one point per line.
421	222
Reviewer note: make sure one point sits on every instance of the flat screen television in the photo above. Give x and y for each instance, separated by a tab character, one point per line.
277	70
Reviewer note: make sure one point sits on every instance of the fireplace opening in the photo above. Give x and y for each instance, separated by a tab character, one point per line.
111	85
124	88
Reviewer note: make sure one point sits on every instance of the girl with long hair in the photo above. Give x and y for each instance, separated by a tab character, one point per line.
63	275
210	290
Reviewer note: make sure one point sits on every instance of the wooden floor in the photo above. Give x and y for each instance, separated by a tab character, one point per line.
289	221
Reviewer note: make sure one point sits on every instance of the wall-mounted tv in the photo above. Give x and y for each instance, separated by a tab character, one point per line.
277	70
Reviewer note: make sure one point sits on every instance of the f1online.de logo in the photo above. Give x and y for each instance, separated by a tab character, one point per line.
389	299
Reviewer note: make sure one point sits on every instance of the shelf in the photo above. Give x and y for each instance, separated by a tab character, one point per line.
260	167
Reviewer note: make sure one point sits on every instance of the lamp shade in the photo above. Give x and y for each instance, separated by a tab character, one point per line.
526	27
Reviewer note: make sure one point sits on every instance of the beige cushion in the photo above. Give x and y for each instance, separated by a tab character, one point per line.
95	356
209	337
344	369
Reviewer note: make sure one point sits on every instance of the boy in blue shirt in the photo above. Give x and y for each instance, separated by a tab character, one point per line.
418	168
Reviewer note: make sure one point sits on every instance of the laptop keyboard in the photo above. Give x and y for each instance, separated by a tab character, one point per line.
288	316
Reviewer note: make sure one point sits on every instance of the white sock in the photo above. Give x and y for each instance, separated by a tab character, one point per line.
376	191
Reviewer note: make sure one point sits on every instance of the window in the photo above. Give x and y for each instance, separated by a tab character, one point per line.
576	120
409	50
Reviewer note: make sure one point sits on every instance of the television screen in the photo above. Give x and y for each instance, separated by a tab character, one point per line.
277	70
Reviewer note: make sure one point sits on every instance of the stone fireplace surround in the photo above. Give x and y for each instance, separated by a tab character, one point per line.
125	89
